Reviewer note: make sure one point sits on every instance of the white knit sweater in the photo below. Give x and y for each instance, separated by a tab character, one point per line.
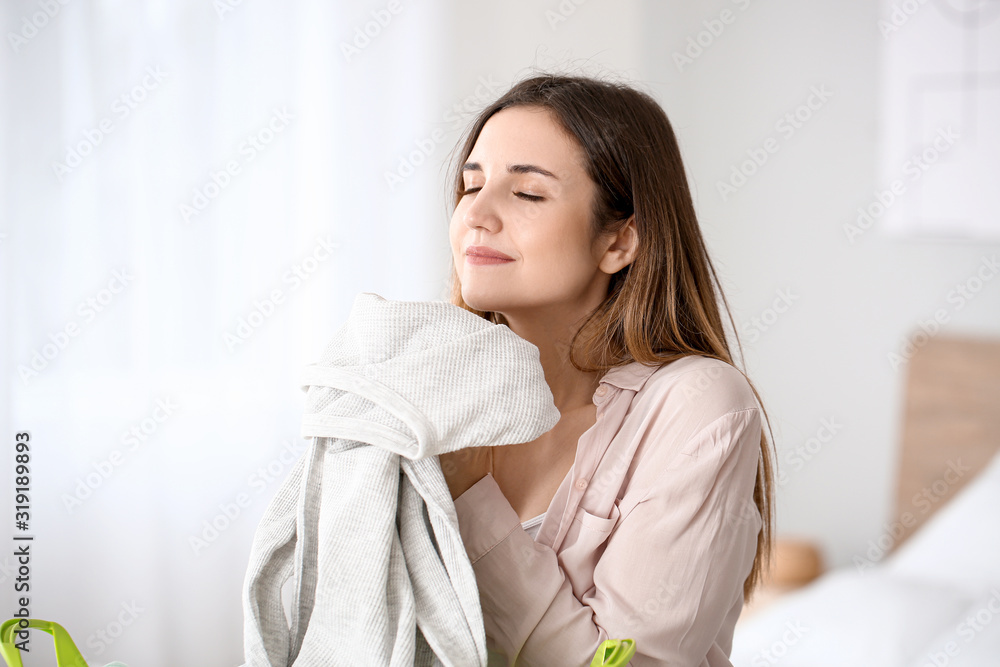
364	524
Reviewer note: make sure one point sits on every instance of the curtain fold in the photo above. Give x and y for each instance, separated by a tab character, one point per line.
192	193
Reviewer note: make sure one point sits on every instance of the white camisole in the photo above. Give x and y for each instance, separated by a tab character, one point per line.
531	525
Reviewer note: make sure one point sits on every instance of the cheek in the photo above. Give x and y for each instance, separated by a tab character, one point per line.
569	263
561	248
454	232
455	236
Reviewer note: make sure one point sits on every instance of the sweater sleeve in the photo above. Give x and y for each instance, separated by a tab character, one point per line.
671	572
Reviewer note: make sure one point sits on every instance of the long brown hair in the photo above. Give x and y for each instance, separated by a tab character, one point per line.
665	304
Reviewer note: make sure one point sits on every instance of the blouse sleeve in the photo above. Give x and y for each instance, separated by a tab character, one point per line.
672	568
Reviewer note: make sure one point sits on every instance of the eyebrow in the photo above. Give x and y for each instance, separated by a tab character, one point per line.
513	169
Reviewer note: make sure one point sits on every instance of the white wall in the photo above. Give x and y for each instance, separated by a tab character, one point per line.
827	356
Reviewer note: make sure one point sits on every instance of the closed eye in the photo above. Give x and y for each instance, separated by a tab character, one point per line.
523	195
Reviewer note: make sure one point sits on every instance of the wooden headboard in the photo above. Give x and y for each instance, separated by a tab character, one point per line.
951	423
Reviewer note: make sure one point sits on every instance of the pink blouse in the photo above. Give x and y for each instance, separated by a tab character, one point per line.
649	537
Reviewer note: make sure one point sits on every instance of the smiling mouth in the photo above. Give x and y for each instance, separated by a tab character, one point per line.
480	255
481	260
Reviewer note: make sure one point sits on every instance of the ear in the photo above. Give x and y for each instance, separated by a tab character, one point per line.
619	248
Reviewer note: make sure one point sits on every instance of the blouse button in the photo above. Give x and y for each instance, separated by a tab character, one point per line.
602	390
581	483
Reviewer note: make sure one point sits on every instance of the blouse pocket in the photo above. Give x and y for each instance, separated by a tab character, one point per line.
583	547
599	524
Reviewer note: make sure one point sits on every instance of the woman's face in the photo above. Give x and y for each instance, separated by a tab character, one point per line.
529	197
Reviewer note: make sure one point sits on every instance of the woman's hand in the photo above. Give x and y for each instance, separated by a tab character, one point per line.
465	467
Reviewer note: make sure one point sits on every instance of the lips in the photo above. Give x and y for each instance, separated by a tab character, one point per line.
486	252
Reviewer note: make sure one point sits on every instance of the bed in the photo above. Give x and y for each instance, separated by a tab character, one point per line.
935	599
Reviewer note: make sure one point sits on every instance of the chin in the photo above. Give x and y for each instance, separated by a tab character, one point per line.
478	301
476	304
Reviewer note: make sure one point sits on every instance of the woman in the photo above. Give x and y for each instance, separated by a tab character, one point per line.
574	226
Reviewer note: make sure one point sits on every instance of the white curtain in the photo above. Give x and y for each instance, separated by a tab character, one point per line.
193	192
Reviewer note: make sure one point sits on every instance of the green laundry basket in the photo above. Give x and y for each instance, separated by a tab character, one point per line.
67	655
613	653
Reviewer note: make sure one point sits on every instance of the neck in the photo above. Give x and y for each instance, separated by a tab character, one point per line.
571	388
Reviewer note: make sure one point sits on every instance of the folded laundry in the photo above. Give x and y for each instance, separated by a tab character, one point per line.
364	525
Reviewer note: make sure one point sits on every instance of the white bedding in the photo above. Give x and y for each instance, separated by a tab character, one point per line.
934	602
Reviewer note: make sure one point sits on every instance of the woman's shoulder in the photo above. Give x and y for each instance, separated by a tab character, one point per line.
694	404
698	385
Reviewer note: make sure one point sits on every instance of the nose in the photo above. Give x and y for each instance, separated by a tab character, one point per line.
481	211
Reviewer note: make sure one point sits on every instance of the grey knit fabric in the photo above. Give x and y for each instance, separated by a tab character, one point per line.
364	524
